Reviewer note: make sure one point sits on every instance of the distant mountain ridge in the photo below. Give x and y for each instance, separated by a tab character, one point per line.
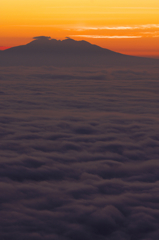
46	45
68	52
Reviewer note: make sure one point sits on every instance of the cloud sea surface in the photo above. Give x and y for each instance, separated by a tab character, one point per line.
79	154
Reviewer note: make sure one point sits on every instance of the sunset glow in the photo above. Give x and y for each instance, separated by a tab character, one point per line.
130	27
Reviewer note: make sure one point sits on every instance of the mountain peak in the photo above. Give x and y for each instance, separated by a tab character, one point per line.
51	41
44	50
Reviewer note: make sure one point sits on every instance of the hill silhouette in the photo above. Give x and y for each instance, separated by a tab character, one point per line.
44	51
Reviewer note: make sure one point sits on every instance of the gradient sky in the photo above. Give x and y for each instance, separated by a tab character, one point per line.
130	27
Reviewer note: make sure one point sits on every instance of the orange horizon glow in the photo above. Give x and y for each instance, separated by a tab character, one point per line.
4	47
127	27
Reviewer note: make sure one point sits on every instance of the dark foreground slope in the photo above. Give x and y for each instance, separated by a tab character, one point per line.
43	51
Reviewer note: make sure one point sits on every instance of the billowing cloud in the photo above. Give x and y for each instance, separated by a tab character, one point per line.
79	153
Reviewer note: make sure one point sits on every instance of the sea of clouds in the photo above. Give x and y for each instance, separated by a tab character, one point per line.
79	154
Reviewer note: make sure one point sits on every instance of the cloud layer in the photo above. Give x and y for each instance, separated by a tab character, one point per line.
132	27
101	36
79	154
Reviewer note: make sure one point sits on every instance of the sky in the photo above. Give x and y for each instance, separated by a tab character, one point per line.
130	27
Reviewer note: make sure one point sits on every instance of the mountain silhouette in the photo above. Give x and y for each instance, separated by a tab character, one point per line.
44	51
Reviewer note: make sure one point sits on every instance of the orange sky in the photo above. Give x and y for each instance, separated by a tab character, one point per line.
130	27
